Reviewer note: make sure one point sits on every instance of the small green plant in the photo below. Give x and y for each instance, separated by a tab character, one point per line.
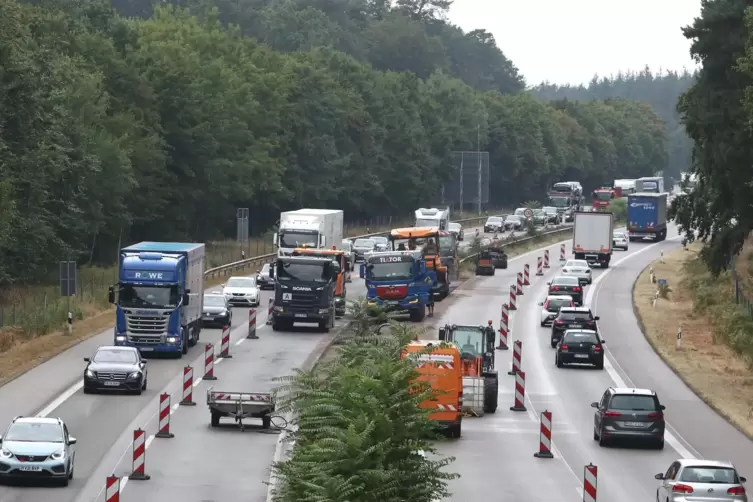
533	231
532	204
664	290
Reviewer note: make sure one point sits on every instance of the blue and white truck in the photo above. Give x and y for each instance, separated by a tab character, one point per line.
647	216
160	296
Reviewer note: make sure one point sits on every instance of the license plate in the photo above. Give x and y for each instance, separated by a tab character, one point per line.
300	315
393	302
31	468
576	325
635	424
207	318
111	384
581	356
146	349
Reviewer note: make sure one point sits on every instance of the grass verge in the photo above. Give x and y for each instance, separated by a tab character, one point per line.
717	343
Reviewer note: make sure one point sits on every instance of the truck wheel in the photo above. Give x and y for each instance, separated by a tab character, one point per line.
418	315
184	341
266	422
215	419
491	391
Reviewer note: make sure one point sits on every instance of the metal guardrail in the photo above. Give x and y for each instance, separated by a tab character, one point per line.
236	266
509	242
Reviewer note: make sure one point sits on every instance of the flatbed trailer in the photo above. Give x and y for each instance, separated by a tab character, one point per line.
240	406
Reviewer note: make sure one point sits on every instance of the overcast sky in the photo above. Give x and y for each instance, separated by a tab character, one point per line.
569	41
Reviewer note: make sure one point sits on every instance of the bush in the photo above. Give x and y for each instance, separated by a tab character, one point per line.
360	429
618	207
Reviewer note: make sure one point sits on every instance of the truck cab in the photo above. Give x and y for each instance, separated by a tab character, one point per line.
433	217
159	300
304	292
398	281
339	257
312	228
430	241
602	197
649	184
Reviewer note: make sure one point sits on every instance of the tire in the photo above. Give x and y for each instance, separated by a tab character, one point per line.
184	341
455	431
599	365
266	421
659	445
73	465
215	421
143	387
491	394
324	326
553	344
596	436
418	315
139	391
88	390
543	325
65	481
558	363
602	442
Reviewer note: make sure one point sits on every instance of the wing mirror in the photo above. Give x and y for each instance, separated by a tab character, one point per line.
222	285
111	294
548	283
596	318
72	440
594	405
186	299
662	407
87	359
659	476
541	304
742	479
144	361
603	341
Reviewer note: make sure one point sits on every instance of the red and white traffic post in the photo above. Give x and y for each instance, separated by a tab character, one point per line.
562	253
225	343
164	417
209	362
517	356
546	258
112	489
539	266
520	392
545	436
270	309
513	297
503	324
520	284
252	324
526	275
187	387
590	478
139	456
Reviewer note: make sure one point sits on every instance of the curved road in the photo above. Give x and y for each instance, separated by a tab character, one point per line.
206	466
501	446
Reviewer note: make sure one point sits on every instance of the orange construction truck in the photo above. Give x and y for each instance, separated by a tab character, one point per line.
438	364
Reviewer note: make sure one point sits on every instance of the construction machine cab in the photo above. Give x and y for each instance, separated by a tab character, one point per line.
340	261
480	379
498	254
431	239
484	263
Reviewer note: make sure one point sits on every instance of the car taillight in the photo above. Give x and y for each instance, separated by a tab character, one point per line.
597	348
736	490
612	414
576	289
656	416
681	488
559	322
555	288
564	347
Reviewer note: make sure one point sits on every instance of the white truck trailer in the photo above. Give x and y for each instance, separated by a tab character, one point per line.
592	237
313	228
433	217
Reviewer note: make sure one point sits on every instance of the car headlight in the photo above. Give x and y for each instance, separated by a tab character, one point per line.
135	374
223	312
5	454
58	455
90	374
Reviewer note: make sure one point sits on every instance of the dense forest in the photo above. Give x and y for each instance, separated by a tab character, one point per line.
159	124
661	90
717	112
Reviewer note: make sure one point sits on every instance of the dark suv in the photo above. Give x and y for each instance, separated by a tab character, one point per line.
580	346
567	285
632	414
572	318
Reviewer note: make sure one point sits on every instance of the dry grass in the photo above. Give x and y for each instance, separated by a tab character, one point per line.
705	362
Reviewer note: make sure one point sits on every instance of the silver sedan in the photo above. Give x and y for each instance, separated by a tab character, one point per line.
579	269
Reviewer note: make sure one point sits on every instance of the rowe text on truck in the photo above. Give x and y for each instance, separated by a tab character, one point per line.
159	301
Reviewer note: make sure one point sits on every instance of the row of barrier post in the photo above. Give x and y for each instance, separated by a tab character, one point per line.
590	471
138	472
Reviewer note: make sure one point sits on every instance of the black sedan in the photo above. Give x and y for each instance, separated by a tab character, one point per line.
514	223
572	318
265	277
565	285
494	224
115	368
580	346
217	311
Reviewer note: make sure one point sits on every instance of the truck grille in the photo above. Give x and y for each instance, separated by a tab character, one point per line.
303	302
146	325
111	375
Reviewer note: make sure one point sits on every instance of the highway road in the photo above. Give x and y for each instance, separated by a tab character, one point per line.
198	464
501	446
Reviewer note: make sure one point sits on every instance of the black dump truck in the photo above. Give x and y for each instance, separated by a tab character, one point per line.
305	292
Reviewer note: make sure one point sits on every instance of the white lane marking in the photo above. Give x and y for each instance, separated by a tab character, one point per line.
240	341
674	439
123	483
66	395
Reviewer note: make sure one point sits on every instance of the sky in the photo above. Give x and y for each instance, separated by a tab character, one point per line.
569	41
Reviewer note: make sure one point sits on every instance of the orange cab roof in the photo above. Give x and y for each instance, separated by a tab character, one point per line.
418	233
318	251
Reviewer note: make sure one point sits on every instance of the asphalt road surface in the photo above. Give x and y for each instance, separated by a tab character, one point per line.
199	464
501	446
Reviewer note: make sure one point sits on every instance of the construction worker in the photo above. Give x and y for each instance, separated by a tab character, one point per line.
401	247
430	248
430	305
412	244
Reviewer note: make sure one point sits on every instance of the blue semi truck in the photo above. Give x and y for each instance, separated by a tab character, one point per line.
647	216
160	296
398	281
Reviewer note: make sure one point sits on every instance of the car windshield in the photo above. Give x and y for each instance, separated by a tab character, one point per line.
455	227
469	341
577	263
520	211
241	282
304	272
581	337
364	243
297	239
402	271
709	474
550	210
565	281
555	304
562	187
446	244
602	195
575	316
559	201
114	356
214	301
133	296
494	219
34	432
632	402
618	235
539	212
427	222
512	218
380	240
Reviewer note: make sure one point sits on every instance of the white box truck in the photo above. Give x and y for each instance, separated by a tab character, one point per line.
313	228
592	237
